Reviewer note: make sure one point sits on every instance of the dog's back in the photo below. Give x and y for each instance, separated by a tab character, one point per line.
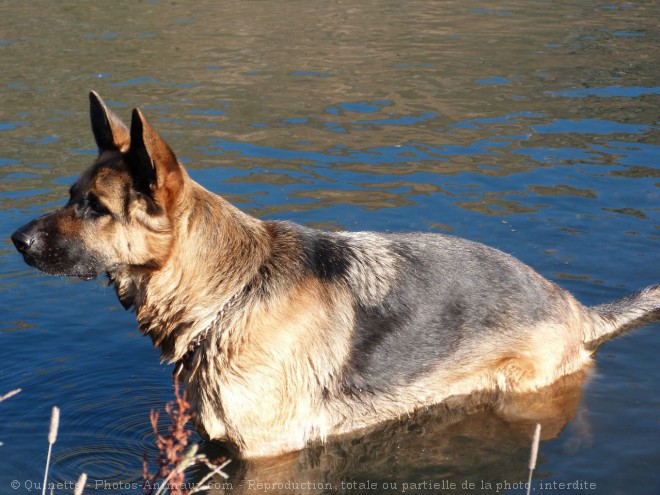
433	316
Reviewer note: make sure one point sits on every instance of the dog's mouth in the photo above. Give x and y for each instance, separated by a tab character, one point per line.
78	272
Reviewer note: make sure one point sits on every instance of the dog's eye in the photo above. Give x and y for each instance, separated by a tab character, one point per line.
95	207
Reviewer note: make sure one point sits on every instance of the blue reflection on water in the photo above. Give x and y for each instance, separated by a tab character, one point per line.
590	126
608	92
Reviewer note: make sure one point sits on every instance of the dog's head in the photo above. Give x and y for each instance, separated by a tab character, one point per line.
120	211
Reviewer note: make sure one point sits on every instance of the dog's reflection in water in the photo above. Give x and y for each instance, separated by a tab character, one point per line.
483	441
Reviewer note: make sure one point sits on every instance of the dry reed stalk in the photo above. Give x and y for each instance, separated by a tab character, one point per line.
52	437
173	458
175	454
80	484
9	394
533	456
201	485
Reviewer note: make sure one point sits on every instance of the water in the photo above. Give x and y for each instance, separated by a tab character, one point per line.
530	126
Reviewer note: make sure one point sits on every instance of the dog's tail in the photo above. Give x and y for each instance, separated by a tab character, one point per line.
623	314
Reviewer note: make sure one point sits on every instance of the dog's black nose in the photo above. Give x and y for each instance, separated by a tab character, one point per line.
22	240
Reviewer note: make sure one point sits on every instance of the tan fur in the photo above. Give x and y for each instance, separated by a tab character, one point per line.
281	361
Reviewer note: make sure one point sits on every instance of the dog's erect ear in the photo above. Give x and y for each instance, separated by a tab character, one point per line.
110	133
153	164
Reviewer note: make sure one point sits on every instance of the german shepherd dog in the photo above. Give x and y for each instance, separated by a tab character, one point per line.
284	335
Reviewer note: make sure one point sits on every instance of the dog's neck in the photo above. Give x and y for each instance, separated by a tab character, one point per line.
172	300
187	361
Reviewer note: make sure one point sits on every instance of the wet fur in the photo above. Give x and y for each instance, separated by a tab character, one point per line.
309	334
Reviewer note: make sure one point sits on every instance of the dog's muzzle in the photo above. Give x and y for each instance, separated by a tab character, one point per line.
44	248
